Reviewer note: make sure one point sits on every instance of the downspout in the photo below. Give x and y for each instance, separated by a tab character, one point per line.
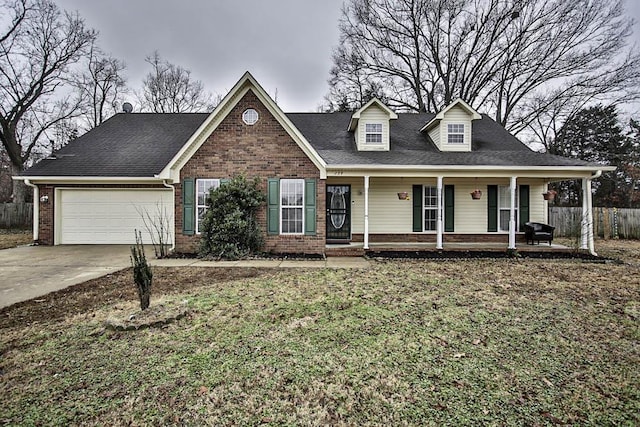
36	210
173	197
596	175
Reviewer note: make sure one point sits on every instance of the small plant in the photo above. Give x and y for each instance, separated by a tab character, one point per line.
142	274
230	227
159	226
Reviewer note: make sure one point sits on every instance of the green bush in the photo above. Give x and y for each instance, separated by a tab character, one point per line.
230	228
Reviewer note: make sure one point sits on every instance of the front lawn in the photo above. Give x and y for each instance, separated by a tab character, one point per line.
478	342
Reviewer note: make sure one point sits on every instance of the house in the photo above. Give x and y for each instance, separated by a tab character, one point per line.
359	178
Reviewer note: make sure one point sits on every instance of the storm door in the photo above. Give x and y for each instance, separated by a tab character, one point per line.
338	212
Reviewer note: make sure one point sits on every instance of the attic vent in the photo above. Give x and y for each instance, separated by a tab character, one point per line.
250	116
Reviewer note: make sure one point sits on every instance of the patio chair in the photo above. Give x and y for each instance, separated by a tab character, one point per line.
535	231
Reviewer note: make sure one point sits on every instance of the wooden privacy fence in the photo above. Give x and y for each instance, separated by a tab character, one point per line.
16	215
608	223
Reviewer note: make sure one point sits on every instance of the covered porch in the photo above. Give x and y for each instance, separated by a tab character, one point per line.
437	211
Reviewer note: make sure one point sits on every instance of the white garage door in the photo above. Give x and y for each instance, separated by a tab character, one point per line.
110	216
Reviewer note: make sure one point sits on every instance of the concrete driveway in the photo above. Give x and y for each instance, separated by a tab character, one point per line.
31	271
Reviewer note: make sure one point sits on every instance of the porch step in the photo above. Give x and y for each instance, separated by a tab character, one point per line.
344	251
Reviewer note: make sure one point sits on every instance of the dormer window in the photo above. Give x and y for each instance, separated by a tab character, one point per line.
373	133
455	132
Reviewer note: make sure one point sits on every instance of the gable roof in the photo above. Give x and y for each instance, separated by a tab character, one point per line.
457	103
356	115
125	145
246	83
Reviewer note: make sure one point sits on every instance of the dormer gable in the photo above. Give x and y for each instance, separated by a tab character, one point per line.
451	128
370	125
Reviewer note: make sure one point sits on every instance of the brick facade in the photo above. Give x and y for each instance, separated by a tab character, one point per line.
264	150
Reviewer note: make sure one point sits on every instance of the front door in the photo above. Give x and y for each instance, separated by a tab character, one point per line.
338	213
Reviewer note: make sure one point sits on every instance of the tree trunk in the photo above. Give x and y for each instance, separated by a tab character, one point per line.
20	190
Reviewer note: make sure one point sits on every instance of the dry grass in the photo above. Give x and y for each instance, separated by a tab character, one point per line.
13	238
478	342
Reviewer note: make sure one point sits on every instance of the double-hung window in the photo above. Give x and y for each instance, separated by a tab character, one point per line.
292	206
430	208
373	133
504	207
455	132
203	187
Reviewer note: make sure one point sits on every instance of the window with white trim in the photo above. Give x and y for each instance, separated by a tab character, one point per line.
504	207
203	187
373	133
291	206
430	205
455	132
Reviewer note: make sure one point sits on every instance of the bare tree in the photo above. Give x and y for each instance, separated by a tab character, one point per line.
517	58
37	48
100	84
169	88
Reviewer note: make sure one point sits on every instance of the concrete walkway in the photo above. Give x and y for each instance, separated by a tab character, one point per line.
332	262
32	271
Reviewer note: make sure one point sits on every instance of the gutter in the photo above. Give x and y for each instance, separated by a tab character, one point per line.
173	196
36	210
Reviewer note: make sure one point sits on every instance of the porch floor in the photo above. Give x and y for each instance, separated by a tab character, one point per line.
358	247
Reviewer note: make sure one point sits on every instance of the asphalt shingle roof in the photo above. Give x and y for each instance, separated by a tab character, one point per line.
127	145
492	144
142	144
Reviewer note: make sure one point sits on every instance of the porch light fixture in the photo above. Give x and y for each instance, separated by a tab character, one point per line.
44	199
403	195
476	194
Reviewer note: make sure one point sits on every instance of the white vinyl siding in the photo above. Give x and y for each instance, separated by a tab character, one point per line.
203	187
389	215
291	206
109	216
373	115
455	116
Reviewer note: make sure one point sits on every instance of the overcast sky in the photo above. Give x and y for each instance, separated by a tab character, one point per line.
285	44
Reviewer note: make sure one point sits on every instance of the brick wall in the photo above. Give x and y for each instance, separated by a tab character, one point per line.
264	150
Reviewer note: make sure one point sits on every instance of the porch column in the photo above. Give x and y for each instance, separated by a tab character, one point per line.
439	220
366	212
512	214
589	218
584	223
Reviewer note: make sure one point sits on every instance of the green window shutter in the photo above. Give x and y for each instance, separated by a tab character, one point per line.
188	206
448	208
524	206
273	206
417	208
492	208
310	207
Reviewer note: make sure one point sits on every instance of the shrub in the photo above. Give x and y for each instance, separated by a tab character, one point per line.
142	274
230	227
